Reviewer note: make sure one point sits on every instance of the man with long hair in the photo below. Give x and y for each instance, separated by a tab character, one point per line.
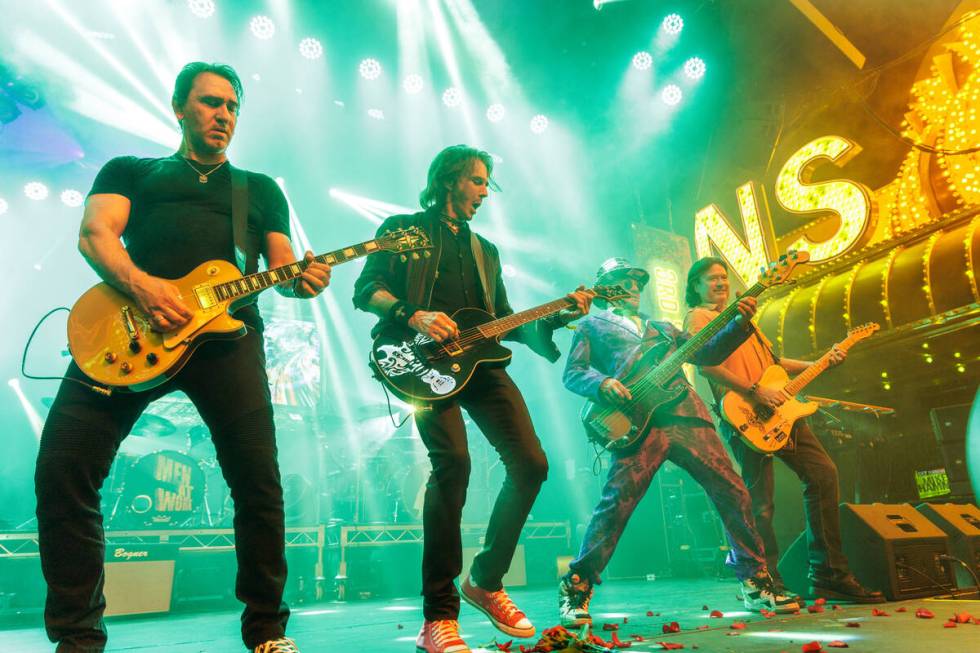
147	221
707	294
463	270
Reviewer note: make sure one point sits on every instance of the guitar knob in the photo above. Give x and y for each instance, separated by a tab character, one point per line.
152	359
126	367
455	367
110	357
135	346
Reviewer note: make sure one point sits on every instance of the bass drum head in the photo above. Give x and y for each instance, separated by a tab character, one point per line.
164	489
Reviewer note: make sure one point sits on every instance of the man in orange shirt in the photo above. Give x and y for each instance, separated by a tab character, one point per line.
707	294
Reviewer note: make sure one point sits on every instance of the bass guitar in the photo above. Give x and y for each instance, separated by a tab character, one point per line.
767	429
654	385
116	345
417	368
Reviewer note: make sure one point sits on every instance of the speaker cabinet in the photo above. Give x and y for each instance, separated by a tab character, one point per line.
894	548
139	578
961	522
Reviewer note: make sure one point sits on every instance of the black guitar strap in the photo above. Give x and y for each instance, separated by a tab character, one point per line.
246	251
481	269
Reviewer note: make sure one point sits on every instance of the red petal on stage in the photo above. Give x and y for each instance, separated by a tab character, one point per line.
949	624
963	617
672	627
703	627
837	644
649	613
875	612
618	643
814	609
638	638
671	646
820	601
738	625
608	626
812	647
901	609
853	624
505	646
835	606
716	614
922	613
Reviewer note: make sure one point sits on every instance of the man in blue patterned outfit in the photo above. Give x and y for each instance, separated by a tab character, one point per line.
608	344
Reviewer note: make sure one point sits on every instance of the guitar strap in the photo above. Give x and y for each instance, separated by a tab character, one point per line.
246	251
481	269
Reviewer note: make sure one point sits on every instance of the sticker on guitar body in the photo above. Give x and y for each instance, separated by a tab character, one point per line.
399	360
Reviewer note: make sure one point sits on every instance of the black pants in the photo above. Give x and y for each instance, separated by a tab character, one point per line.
226	380
809	460
497	407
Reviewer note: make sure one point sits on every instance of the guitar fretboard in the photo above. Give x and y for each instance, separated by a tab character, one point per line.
259	281
511	322
801	380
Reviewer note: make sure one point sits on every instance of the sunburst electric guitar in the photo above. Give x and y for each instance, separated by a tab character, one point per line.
417	368
654	385
115	344
767	429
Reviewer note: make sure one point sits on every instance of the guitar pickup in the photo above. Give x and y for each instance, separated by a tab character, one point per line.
206	298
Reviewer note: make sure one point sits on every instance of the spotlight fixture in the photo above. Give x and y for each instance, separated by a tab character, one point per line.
671	95
201	8
452	97
310	48
413	84
72	197
262	27
642	60
539	123
694	68
370	68
496	112
673	24
35	190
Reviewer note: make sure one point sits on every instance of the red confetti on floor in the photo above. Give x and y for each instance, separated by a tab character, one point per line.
922	613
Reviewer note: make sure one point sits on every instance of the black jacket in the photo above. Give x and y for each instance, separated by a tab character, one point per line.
412	277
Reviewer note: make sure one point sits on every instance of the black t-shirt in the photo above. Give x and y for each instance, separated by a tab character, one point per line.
457	283
176	223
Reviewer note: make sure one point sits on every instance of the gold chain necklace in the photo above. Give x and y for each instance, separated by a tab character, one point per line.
202	177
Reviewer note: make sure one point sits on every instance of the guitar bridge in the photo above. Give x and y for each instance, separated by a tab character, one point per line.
453	348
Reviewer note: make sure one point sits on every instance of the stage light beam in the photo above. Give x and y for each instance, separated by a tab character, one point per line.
452	97
262	27
311	48
496	112
35	190
672	95
413	84
672	24
539	123
694	68
642	60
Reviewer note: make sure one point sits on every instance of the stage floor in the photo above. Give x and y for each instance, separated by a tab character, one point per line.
391	625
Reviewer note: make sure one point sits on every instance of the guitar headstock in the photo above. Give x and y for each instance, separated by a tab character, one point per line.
404	240
863	331
610	292
780	270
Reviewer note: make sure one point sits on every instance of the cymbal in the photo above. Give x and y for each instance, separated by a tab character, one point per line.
149	425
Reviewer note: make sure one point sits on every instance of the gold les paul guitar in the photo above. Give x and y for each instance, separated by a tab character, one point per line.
767	429
115	344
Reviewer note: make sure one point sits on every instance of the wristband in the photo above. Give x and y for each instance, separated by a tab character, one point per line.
753	388
401	312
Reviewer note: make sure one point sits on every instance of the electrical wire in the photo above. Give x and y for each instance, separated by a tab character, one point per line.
23	360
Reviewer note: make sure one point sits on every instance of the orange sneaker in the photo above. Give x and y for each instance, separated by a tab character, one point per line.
503	614
441	636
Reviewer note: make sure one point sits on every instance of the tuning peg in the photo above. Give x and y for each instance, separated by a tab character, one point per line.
427	254
415	256
403	258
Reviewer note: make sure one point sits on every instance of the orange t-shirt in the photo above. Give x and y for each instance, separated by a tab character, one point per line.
748	362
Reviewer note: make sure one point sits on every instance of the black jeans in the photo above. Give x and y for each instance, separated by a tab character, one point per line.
497	407
226	381
809	460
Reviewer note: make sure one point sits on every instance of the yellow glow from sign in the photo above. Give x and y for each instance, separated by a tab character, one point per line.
849	200
667	294
711	227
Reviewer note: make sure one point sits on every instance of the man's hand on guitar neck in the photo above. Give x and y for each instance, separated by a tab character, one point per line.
161	301
582	297
613	392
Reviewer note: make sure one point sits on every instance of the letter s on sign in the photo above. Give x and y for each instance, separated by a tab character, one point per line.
850	201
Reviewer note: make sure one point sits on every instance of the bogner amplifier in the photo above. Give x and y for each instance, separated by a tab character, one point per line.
139	578
894	548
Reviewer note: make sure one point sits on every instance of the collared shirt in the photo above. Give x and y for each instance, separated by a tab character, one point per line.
457	283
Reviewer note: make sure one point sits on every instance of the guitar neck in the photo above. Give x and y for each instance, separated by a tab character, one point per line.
802	379
685	353
251	284
511	322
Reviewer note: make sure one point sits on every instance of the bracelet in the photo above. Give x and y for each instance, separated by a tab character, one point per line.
753	388
401	312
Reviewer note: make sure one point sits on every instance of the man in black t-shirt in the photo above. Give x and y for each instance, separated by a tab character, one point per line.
147	221
463	271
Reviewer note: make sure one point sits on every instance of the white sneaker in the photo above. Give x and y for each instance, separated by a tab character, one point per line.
758	594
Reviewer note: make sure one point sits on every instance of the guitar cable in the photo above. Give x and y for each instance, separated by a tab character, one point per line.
106	392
